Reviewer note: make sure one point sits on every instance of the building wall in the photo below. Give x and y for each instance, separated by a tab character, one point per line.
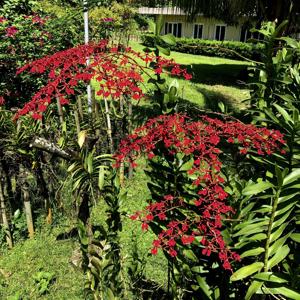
232	33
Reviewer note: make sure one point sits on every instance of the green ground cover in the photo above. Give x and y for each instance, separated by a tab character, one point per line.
47	254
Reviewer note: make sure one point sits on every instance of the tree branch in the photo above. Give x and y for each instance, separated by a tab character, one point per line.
43	144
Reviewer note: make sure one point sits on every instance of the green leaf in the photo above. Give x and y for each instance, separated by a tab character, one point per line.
101	177
284	113
159	24
165	51
293	176
253	252
295	237
253	288
204	286
256	188
81	138
90	166
252	228
246	271
258	237
190	255
283	291
278	244
280	254
275	235
291	42
269	276
187	166
152	25
169	39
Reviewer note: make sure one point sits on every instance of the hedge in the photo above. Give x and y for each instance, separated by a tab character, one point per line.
225	49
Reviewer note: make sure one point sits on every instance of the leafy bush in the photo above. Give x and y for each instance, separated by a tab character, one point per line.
225	49
268	236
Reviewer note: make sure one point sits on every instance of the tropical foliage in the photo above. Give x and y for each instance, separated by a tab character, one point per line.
222	207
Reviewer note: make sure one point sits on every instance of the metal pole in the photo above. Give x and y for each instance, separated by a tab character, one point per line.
86	41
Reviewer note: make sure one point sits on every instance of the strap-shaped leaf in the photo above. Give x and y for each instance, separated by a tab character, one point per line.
289	293
246	271
253	228
256	188
276	234
204	286
293	176
295	237
253	252
280	255
270	276
253	288
278	244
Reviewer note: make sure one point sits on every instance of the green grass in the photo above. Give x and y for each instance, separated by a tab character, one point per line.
43	253
46	253
214	79
137	196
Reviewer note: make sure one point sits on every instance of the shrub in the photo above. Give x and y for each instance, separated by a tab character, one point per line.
225	49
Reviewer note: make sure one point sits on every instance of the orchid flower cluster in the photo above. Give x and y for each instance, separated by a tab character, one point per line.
198	220
118	70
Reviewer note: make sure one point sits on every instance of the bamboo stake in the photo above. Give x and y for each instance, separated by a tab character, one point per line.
109	128
60	112
77	122
28	213
80	109
9	239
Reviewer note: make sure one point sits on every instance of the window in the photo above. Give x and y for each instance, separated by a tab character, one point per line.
198	31
245	34
173	28
220	32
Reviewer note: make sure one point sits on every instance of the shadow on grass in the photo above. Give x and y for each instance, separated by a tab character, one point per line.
224	74
148	289
211	99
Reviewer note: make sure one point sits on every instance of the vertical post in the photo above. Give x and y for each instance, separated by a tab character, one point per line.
9	239
109	128
86	41
60	112
28	212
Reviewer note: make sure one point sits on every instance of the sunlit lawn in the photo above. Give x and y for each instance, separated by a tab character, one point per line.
214	79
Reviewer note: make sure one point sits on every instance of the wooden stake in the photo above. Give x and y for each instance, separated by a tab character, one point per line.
9	239
109	128
60	112
28	213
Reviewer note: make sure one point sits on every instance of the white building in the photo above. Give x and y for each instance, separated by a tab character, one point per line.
175	22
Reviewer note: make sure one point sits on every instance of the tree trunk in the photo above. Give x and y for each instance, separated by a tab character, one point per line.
28	213
4	217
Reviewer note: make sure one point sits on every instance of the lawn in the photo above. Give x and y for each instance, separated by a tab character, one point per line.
214	79
46	253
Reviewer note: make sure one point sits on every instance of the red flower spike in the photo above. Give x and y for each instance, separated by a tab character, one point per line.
198	140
